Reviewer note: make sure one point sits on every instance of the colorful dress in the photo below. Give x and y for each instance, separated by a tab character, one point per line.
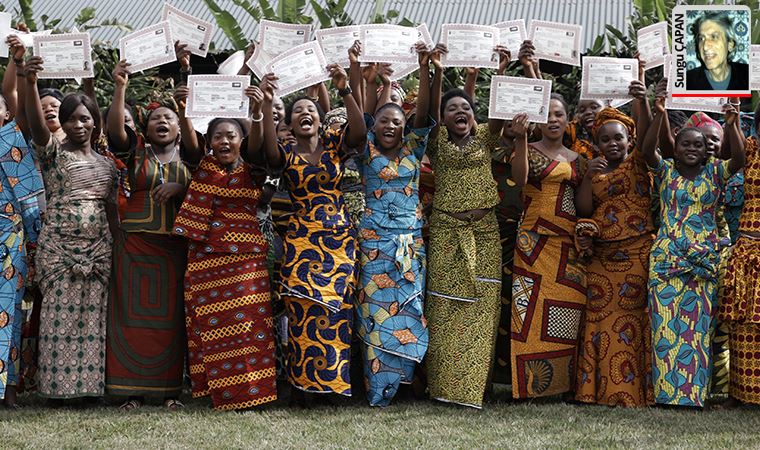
462	305
73	271
146	326
20	185
614	361
683	282
740	299
228	313
390	317
549	282
319	271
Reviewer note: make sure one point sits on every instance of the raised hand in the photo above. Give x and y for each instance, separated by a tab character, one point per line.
423	53
384	71
183	55
505	56
637	89
596	166
435	56
33	67
17	49
180	95
354	51
527	54
257	98
267	86
731	110
338	75
520	125
369	73
121	73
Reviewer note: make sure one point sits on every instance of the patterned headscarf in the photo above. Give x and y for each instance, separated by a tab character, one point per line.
610	114
337	115
701	120
142	114
396	87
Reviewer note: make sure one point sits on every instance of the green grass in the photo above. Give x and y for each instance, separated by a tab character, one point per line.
406	424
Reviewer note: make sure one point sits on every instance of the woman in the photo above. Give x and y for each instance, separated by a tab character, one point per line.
614	361
684	260
74	254
227	299
146	338
318	271
391	324
741	296
462	304
578	135
549	287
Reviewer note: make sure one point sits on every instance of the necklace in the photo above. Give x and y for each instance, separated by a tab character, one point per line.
162	164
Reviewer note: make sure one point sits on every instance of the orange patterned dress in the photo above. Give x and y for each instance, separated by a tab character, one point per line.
614	361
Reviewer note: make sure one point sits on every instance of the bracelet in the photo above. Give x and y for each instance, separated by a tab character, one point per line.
21	74
258	119
344	92
18	62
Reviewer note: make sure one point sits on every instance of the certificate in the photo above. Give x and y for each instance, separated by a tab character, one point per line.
470	45
558	42
514	95
512	34
194	32
150	47
754	66
64	55
607	78
217	96
28	38
402	70
274	39
5	30
388	44
335	43
706	104
299	67
652	42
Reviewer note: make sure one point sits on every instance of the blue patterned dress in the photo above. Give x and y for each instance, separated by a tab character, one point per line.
20	184
683	282
390	313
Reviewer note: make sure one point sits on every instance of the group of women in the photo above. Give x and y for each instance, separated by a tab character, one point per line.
590	257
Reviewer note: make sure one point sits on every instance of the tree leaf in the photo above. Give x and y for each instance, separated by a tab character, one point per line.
325	20
254	11
267	9
26	12
228	24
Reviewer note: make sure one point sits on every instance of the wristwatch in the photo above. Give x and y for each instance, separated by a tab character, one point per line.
344	92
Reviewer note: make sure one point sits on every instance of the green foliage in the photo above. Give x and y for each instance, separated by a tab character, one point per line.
228	24
333	14
27	15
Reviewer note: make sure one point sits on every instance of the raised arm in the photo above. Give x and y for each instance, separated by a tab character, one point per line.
470	80
15	68
357	130
640	111
651	140
584	198
421	118
274	157
528	60
245	70
520	164
666	142
256	135
117	135
369	74
734	137
496	125
191	145
355	80
436	88
38	129
384	72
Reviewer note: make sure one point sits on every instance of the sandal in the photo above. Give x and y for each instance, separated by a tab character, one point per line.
131	405
172	404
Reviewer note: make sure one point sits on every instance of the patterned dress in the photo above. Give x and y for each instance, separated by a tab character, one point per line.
740	299
73	271
462	305
20	184
319	271
146	326
683	282
549	282
614	362
228	312
390	320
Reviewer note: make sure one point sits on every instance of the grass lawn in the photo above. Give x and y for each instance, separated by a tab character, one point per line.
406	424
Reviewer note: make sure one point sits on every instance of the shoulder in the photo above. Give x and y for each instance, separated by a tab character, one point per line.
697	80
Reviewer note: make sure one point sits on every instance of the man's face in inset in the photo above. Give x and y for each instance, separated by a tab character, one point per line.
714	46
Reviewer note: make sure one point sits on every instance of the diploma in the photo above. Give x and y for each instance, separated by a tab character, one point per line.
28	38
388	44
217	96
150	47
5	30
64	55
607	78
754	64
403	70
652	42
274	39
514	95
706	104
335	43
470	45
512	34
194	32
557	42
299	68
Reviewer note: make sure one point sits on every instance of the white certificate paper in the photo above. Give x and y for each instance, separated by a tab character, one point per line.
652	42
388	44
335	43
512	34
754	66
558	42
194	32
299	67
217	96
28	38
607	78
470	45
402	70
706	104
64	55
5	30
274	39
150	47
514	95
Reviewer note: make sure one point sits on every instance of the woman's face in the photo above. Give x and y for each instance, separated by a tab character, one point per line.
225	143
128	120
163	127
714	137
554	128
389	128
78	127
4	113
690	149
458	116
587	110
304	119
396	98
50	107
612	140
284	134
278	109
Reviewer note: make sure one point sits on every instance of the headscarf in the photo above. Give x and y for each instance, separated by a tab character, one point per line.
701	120
337	115
141	114
51	92
610	114
396	87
